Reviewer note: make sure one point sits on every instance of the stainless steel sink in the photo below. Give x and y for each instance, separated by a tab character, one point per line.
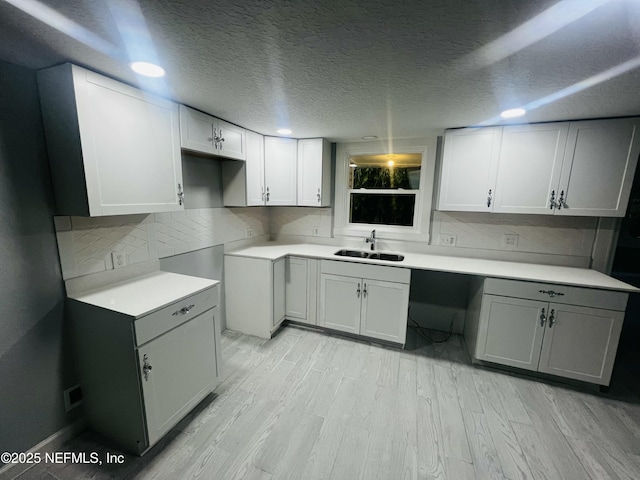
392	257
352	253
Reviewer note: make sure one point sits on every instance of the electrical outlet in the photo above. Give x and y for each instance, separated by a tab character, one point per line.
249	232
316	231
510	240
447	240
119	259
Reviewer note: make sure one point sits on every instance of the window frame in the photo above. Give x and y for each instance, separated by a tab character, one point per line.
424	195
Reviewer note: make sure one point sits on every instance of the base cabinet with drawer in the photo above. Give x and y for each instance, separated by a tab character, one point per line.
554	329
367	300
141	376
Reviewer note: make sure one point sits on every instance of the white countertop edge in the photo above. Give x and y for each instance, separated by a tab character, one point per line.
573	276
142	295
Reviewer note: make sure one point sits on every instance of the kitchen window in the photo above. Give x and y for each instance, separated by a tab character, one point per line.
386	185
383	189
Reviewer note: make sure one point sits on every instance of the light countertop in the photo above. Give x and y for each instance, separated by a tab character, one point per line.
581	277
142	295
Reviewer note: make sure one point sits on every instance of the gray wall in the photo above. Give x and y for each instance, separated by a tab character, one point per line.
35	366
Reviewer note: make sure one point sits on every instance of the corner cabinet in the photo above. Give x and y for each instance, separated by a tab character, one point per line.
365	300
203	133
255	294
301	287
113	149
566	331
314	172
564	168
140	375
280	171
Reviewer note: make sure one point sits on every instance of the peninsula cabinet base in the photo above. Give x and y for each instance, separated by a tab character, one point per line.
556	330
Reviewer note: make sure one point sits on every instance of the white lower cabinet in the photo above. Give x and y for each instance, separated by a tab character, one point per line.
301	285
255	294
141	376
367	300
552	329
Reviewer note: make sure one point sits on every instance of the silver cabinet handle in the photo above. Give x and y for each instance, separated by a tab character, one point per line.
215	138
552	318
551	293
180	195
318	195
358	290
220	140
489	198
268	194
561	200
182	311
146	367
543	318
364	292
552	201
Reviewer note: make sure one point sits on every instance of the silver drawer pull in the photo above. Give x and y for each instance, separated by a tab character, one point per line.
182	311
551	293
146	368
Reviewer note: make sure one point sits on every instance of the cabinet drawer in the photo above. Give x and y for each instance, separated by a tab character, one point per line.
163	320
586	297
361	270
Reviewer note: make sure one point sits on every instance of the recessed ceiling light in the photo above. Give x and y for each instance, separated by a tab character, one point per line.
147	69
353	165
513	113
369	137
284	131
390	163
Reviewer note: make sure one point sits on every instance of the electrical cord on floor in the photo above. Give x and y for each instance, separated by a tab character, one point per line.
427	336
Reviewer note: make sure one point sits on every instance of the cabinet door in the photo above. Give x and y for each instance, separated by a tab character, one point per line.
234	144
255	169
183	372
278	291
340	303
384	310
297	288
599	167
196	130
581	343
314	171
510	331
280	156
131	148
469	168
529	167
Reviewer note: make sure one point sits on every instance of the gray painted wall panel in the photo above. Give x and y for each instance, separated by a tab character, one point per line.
35	360
202	178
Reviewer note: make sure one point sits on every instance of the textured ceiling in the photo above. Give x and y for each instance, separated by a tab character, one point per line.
345	69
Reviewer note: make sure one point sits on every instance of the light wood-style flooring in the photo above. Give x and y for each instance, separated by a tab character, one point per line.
309	405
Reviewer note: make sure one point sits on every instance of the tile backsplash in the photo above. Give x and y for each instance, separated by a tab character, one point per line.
85	244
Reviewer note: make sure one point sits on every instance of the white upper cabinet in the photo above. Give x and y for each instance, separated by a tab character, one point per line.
243	182
599	165
314	172
280	158
203	133
566	168
529	168
113	149
469	168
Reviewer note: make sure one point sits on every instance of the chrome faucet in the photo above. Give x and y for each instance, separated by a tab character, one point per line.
372	240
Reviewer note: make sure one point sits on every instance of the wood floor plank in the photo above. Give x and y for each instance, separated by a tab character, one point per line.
208	465
389	367
537	455
455	440
430	451
486	462
467	393
460	470
351	456
385	458
407	374
425	377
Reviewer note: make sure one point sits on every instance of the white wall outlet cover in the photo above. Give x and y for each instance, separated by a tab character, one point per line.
119	259
249	232
316	231
510	240
447	240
